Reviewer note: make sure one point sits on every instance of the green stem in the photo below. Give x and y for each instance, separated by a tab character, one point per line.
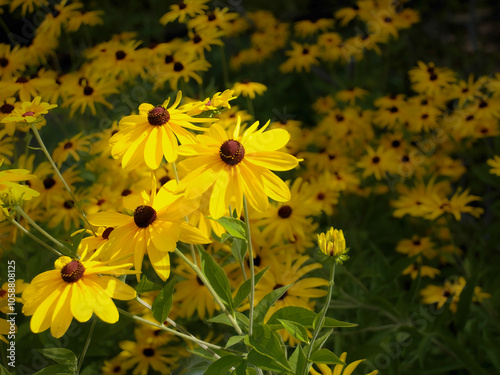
203	344
321	321
46	152
33	237
250	262
193	253
37	227
87	343
211	290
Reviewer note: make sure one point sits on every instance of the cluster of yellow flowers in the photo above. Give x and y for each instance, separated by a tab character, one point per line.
161	176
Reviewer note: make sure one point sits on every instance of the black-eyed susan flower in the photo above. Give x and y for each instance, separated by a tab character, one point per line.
11	192
237	166
430	79
19	286
425	271
153	133
184	10
30	112
300	58
76	288
378	162
12	60
306	28
332	243
72	146
249	89
157	224
338	369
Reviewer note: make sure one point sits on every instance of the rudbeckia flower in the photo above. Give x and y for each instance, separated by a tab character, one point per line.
237	166
10	190
155	227
338	369
30	112
249	89
76	288
150	135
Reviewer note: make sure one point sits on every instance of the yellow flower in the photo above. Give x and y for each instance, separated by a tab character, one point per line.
71	147
332	243
301	57
306	28
494	163
10	191
249	89
183	10
237	166
17	288
339	369
76	288
157	224
150	135
29	112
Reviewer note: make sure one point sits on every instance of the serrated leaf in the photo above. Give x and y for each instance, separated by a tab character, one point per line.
61	355
223	365
217	278
245	288
235	227
55	370
163	302
304	317
239	249
234	340
265	303
265	363
296	330
145	286
326	357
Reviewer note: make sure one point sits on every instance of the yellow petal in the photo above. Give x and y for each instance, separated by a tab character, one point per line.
160	261
169	144
165	234
218	202
109	219
153	149
268	141
115	288
190	234
62	317
79	307
274	187
253	188
274	160
42	317
102	305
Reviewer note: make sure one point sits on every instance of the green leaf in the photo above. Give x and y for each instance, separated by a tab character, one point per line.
296	330
4	371
268	343
76	241
217	278
224	237
239	249
241	369
265	303
298	360
61	355
56	370
223	365
319	342
235	227
245	288
303	317
163	302
265	363
326	357
465	301
234	340
145	286
241	319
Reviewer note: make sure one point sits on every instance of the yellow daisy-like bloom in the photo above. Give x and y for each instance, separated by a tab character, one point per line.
150	135
17	288
430	79
29	112
301	57
332	243
76	288
249	89
306	28
339	369
494	163
183	10
155	227
237	166
10	191
71	147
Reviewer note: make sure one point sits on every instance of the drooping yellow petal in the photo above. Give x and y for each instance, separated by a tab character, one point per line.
153	152
274	187
218	203
165	234
109	219
102	305
62	317
42	317
190	234
160	261
169	144
79	306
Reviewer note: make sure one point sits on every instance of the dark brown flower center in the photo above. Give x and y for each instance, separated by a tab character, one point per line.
284	212
178	67
29	113
3	62
144	216
6	108
68	145
73	271
3	292
107	232
375	160
126	192
22	80
393	109
169	59
148	352
120	55
69	204
182	5
158	116
49	182
232	152
196	39
87	90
